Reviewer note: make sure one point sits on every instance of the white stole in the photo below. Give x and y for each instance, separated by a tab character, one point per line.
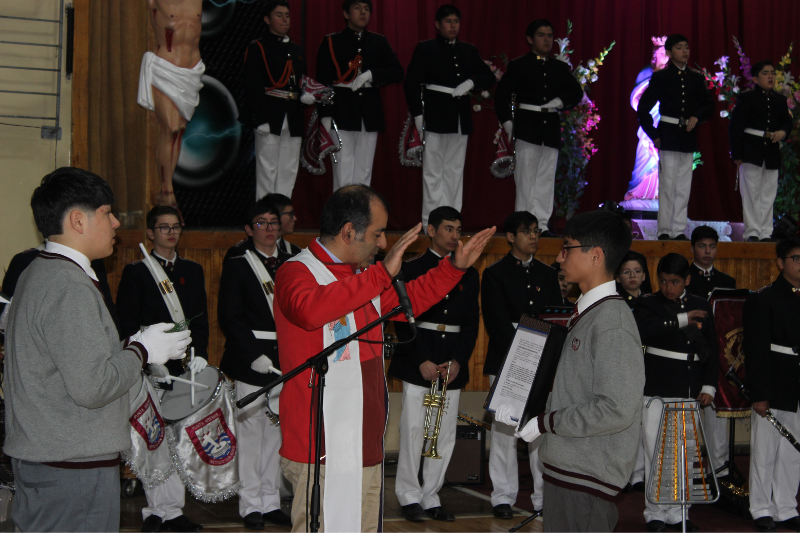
265	280
164	287
343	410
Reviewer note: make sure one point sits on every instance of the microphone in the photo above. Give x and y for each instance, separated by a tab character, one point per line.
399	283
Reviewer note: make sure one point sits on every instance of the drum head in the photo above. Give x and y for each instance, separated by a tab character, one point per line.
273	399
176	404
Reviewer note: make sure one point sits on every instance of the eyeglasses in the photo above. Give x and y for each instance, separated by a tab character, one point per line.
289	214
166	230
530	233
565	248
632	273
267	225
795	258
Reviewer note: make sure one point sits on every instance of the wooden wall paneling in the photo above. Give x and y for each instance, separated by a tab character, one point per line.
80	85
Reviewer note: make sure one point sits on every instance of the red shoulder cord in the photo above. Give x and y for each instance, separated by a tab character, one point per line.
355	66
288	70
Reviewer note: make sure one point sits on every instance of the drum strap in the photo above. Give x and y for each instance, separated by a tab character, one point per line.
264	279
165	288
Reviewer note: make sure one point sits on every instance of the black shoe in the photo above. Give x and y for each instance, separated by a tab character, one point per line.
752	239
792	524
663	237
152	523
438	513
180	523
503	511
680	237
277	517
690	527
628	488
656	525
413	512
765	523
547	234
638	486
768	239
254	520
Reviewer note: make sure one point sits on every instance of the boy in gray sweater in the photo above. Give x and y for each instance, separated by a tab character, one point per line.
591	427
67	374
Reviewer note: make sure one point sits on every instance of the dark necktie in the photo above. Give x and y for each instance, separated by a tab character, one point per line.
271	262
169	264
97	284
706	273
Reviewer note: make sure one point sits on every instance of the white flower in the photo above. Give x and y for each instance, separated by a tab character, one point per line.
582	80
563	44
723	113
722	61
594	78
736	89
591	63
485	94
476	108
719	77
721	97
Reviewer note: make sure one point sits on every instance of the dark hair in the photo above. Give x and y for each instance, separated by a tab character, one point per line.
272	4
347	4
785	246
63	190
519	219
259	208
445	10
349	204
440	214
281	201
535	25
758	67
604	229
157	211
672	40
632	256
704	232
614	207
674	264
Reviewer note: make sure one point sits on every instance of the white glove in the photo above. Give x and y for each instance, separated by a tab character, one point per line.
555	103
418	124
159	373
507	125
262	365
463	88
197	364
307	98
503	414
162	346
326	123
530	432
361	80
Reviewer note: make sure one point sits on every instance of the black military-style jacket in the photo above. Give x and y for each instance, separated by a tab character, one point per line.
536	81
630	300
772	319
271	50
702	285
241	309
458	308
764	111
510	289
657	320
682	94
140	303
437	62
350	108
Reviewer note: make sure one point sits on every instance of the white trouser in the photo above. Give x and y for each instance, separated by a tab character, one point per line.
674	188
759	187
637	475
716	431
259	463
442	171
165	500
354	160
277	157
774	467
412	423
535	178
651	417
503	469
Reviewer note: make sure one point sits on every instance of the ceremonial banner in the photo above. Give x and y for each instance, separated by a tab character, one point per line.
503	164
411	146
727	307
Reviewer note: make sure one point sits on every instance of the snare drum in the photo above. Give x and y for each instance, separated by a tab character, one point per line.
176	404
273	400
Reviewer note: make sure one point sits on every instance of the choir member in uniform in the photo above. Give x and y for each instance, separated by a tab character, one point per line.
629	277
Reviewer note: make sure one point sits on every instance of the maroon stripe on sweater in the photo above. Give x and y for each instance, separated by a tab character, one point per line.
581	476
85	465
581	488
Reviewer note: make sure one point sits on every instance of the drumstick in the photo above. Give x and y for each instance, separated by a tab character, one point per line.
190	383
273	369
191	368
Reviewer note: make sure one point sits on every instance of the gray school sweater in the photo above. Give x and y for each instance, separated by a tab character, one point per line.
67	374
593	419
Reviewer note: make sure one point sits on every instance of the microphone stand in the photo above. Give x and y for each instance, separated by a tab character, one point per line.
319	364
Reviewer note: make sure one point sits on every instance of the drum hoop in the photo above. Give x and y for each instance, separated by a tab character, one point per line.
269	395
217	389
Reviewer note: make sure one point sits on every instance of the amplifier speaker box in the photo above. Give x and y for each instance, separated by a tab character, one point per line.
468	464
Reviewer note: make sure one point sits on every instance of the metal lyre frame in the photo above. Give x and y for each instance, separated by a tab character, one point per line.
514	130
677	461
422	98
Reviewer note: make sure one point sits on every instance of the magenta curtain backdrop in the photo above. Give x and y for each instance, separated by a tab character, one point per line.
764	28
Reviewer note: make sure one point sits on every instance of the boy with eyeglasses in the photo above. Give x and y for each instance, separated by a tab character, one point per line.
287	220
772	342
251	348
140	303
517	284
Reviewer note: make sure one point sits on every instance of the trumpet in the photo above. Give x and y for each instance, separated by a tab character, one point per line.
434	400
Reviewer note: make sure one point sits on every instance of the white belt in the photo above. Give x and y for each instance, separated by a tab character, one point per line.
440	88
286	95
350	85
758	133
782	349
671	355
265	335
515	324
672	120
439	327
538	109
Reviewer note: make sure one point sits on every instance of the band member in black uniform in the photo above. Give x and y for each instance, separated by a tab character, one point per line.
706	278
759	121
567	288
517	284
288	220
274	67
356	62
140	303
246	288
543	86
629	277
449	69
772	344
684	104
446	335
680	362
